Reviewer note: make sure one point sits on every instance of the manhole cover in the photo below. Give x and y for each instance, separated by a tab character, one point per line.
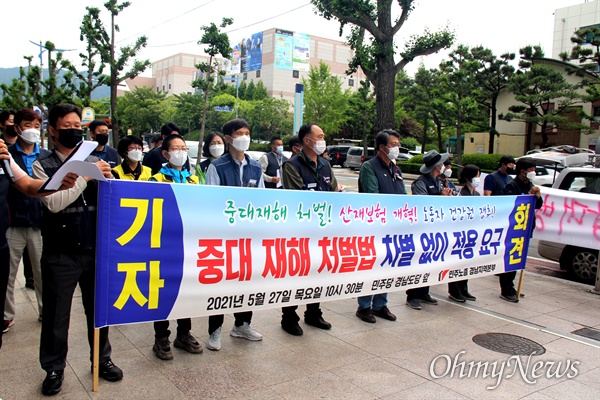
588	333
509	344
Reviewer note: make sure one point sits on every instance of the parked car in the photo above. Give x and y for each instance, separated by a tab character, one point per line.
580	262
403	157
255	155
355	157
337	154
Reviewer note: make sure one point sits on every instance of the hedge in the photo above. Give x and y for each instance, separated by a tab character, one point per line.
486	162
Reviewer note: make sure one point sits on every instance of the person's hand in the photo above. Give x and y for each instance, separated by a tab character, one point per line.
4	151
447	192
275	179
535	190
68	181
340	188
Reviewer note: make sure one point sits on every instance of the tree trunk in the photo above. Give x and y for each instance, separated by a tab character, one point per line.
458	135
528	136
493	125
424	141
384	97
439	135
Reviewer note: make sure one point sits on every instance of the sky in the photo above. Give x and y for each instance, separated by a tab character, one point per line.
174	26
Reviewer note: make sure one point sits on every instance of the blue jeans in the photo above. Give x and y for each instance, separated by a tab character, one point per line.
375	302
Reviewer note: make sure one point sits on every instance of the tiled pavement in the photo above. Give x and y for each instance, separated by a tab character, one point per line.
354	360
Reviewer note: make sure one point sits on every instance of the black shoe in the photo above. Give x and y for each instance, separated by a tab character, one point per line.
292	327
110	371
317	322
29	283
415	304
511	297
427	299
53	382
384	313
457	297
366	315
469	296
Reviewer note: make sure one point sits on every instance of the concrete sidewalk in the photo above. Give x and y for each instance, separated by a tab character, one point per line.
354	360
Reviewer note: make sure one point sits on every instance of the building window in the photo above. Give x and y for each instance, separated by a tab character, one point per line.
157	89
163	88
295	74
245	75
350	82
258	73
169	86
189	92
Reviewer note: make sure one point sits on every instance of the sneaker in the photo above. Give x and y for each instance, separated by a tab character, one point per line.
7	324
188	343
214	341
511	297
384	313
457	297
110	372
245	331
415	304
427	299
366	315
162	348
469	296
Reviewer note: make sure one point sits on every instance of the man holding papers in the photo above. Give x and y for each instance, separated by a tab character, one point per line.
69	232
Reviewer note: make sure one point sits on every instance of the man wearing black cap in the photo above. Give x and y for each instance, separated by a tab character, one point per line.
428	184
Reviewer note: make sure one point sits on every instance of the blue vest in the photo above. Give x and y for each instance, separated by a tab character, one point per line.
24	211
228	170
273	167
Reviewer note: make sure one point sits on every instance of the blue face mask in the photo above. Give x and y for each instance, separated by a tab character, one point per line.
280	150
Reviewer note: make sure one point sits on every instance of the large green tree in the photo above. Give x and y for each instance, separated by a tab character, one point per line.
325	103
216	43
375	53
544	97
142	110
460	91
92	77
492	77
105	44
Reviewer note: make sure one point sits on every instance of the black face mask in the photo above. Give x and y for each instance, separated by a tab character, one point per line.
102	138
9	130
510	171
70	137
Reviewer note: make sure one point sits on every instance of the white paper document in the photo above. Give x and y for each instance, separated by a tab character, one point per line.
278	185
74	163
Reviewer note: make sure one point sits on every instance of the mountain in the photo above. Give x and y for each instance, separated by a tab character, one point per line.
8	74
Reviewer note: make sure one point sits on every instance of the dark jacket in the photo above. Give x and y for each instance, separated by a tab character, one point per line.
109	155
426	185
24	211
72	230
389	178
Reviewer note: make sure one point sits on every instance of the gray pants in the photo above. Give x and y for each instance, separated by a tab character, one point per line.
18	239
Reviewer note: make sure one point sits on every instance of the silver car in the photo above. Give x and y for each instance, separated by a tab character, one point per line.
356	157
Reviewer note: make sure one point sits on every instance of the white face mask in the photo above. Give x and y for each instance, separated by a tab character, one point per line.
448	172
280	150
135	155
241	143
30	136
216	150
320	147
178	158
393	153
531	175
475	182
